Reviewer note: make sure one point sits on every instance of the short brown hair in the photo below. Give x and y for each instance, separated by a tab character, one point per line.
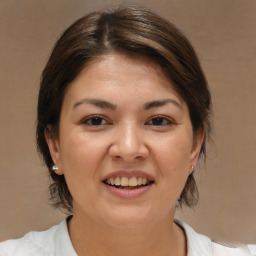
134	31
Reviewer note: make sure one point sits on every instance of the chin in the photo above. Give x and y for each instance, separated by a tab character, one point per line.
129	217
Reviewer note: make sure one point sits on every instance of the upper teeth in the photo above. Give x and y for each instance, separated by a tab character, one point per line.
124	181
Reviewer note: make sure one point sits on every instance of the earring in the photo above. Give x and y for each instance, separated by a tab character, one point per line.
55	168
192	168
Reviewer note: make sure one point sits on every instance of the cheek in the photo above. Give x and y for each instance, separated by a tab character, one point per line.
174	153
81	156
81	159
173	160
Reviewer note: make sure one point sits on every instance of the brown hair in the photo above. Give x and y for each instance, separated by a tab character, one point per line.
134	31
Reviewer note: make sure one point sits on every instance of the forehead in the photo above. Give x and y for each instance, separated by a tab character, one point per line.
118	75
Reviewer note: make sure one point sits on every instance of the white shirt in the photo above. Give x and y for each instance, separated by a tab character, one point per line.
56	242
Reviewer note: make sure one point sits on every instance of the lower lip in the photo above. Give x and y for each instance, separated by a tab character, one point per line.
128	193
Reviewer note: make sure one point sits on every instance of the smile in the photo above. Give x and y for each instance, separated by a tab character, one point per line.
128	183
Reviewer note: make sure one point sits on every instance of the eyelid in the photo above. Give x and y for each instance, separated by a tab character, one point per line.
168	119
85	120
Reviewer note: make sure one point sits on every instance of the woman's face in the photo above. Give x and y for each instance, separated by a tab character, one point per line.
123	123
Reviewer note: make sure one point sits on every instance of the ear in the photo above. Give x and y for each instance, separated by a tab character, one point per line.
54	147
196	148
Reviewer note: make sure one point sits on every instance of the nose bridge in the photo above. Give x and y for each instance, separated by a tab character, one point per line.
129	142
129	135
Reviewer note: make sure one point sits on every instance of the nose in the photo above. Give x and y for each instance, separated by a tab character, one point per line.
129	144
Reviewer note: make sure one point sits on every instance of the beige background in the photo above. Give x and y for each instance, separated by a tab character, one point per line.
224	34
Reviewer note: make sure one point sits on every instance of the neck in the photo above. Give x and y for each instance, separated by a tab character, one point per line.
162	239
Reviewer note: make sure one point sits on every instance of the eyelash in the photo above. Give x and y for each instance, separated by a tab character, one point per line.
163	118
88	121
90	118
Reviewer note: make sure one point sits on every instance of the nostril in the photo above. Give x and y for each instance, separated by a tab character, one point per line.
128	154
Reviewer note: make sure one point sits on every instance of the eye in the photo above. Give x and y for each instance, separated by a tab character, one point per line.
95	121
159	121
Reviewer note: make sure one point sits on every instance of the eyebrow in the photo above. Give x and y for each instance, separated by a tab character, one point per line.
160	103
95	102
108	105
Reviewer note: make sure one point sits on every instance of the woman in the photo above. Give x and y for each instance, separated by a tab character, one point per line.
123	118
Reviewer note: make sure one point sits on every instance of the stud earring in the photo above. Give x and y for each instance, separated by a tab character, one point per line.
55	168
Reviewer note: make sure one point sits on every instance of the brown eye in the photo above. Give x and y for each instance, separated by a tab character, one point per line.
95	121
160	121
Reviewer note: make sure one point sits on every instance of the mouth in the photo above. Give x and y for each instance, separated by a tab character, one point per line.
128	183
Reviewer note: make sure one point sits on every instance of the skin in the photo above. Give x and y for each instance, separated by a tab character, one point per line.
158	140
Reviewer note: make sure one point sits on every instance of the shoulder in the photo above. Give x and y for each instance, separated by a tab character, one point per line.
232	250
34	243
200	245
252	248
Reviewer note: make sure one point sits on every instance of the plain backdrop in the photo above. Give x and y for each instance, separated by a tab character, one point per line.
223	33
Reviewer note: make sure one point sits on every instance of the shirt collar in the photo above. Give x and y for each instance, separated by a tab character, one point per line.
197	245
62	240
